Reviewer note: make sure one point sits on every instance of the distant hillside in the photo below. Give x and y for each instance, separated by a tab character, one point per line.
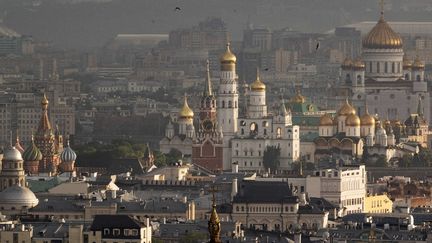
88	24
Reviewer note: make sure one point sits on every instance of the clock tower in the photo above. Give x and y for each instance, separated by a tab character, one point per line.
208	143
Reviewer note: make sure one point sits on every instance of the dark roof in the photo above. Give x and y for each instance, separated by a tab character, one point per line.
115	221
322	203
264	192
310	209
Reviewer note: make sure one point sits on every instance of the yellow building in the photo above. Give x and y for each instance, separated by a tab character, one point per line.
378	204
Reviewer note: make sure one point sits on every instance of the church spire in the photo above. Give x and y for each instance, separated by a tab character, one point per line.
208	89
214	222
44	124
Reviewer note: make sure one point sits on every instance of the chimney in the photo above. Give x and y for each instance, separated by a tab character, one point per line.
235	167
234	188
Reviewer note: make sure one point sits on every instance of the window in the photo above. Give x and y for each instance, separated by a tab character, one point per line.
116	232
134	232
378	67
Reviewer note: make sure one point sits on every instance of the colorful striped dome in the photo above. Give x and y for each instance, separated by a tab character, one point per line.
32	153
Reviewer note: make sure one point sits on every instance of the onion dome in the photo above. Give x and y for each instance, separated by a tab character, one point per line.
228	56
186	111
18	145
347	63
358	64
17	196
44	100
298	98
258	85
387	123
68	154
32	153
326	120
12	154
382	36
346	109
367	119
407	63
352	120
418	64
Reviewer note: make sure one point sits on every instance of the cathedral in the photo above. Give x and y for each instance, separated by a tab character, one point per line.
384	78
348	135
224	138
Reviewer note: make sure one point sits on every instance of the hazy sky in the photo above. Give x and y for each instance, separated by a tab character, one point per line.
92	24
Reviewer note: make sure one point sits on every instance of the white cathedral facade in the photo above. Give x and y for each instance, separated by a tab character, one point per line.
384	78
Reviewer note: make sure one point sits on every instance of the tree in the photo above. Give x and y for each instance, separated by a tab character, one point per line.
405	161
381	161
424	157
160	159
271	158
173	156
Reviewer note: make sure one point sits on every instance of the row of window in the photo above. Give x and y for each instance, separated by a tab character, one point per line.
116	232
261	209
352	201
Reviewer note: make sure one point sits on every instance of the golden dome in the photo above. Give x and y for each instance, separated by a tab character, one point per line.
186	111
382	36
367	119
352	120
358	64
44	100
298	98
418	64
347	63
228	56
407	63
326	120
346	109
258	85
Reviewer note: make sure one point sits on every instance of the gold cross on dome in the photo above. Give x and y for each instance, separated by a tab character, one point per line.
382	6
213	190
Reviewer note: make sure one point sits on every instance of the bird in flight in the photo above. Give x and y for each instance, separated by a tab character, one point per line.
317	46
177	9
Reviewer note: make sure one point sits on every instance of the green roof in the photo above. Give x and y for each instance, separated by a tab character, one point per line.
43	186
306	120
302	107
309	137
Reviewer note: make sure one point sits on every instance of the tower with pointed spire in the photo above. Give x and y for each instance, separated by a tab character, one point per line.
45	140
207	147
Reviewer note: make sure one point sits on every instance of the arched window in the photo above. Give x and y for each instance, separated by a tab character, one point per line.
406	76
386	67
223	103
253	128
418	77
393	67
242	131
278	132
378	67
359	80
370	66
348	78
229	104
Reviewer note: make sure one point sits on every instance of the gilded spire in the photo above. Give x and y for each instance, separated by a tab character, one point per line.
258	85
214	222
208	89
44	124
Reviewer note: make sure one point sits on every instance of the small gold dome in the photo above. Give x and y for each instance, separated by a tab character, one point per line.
228	56
346	109
258	85
347	63
382	36
326	120
407	63
44	100
418	64
186	111
298	98
358	64
367	119
352	120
